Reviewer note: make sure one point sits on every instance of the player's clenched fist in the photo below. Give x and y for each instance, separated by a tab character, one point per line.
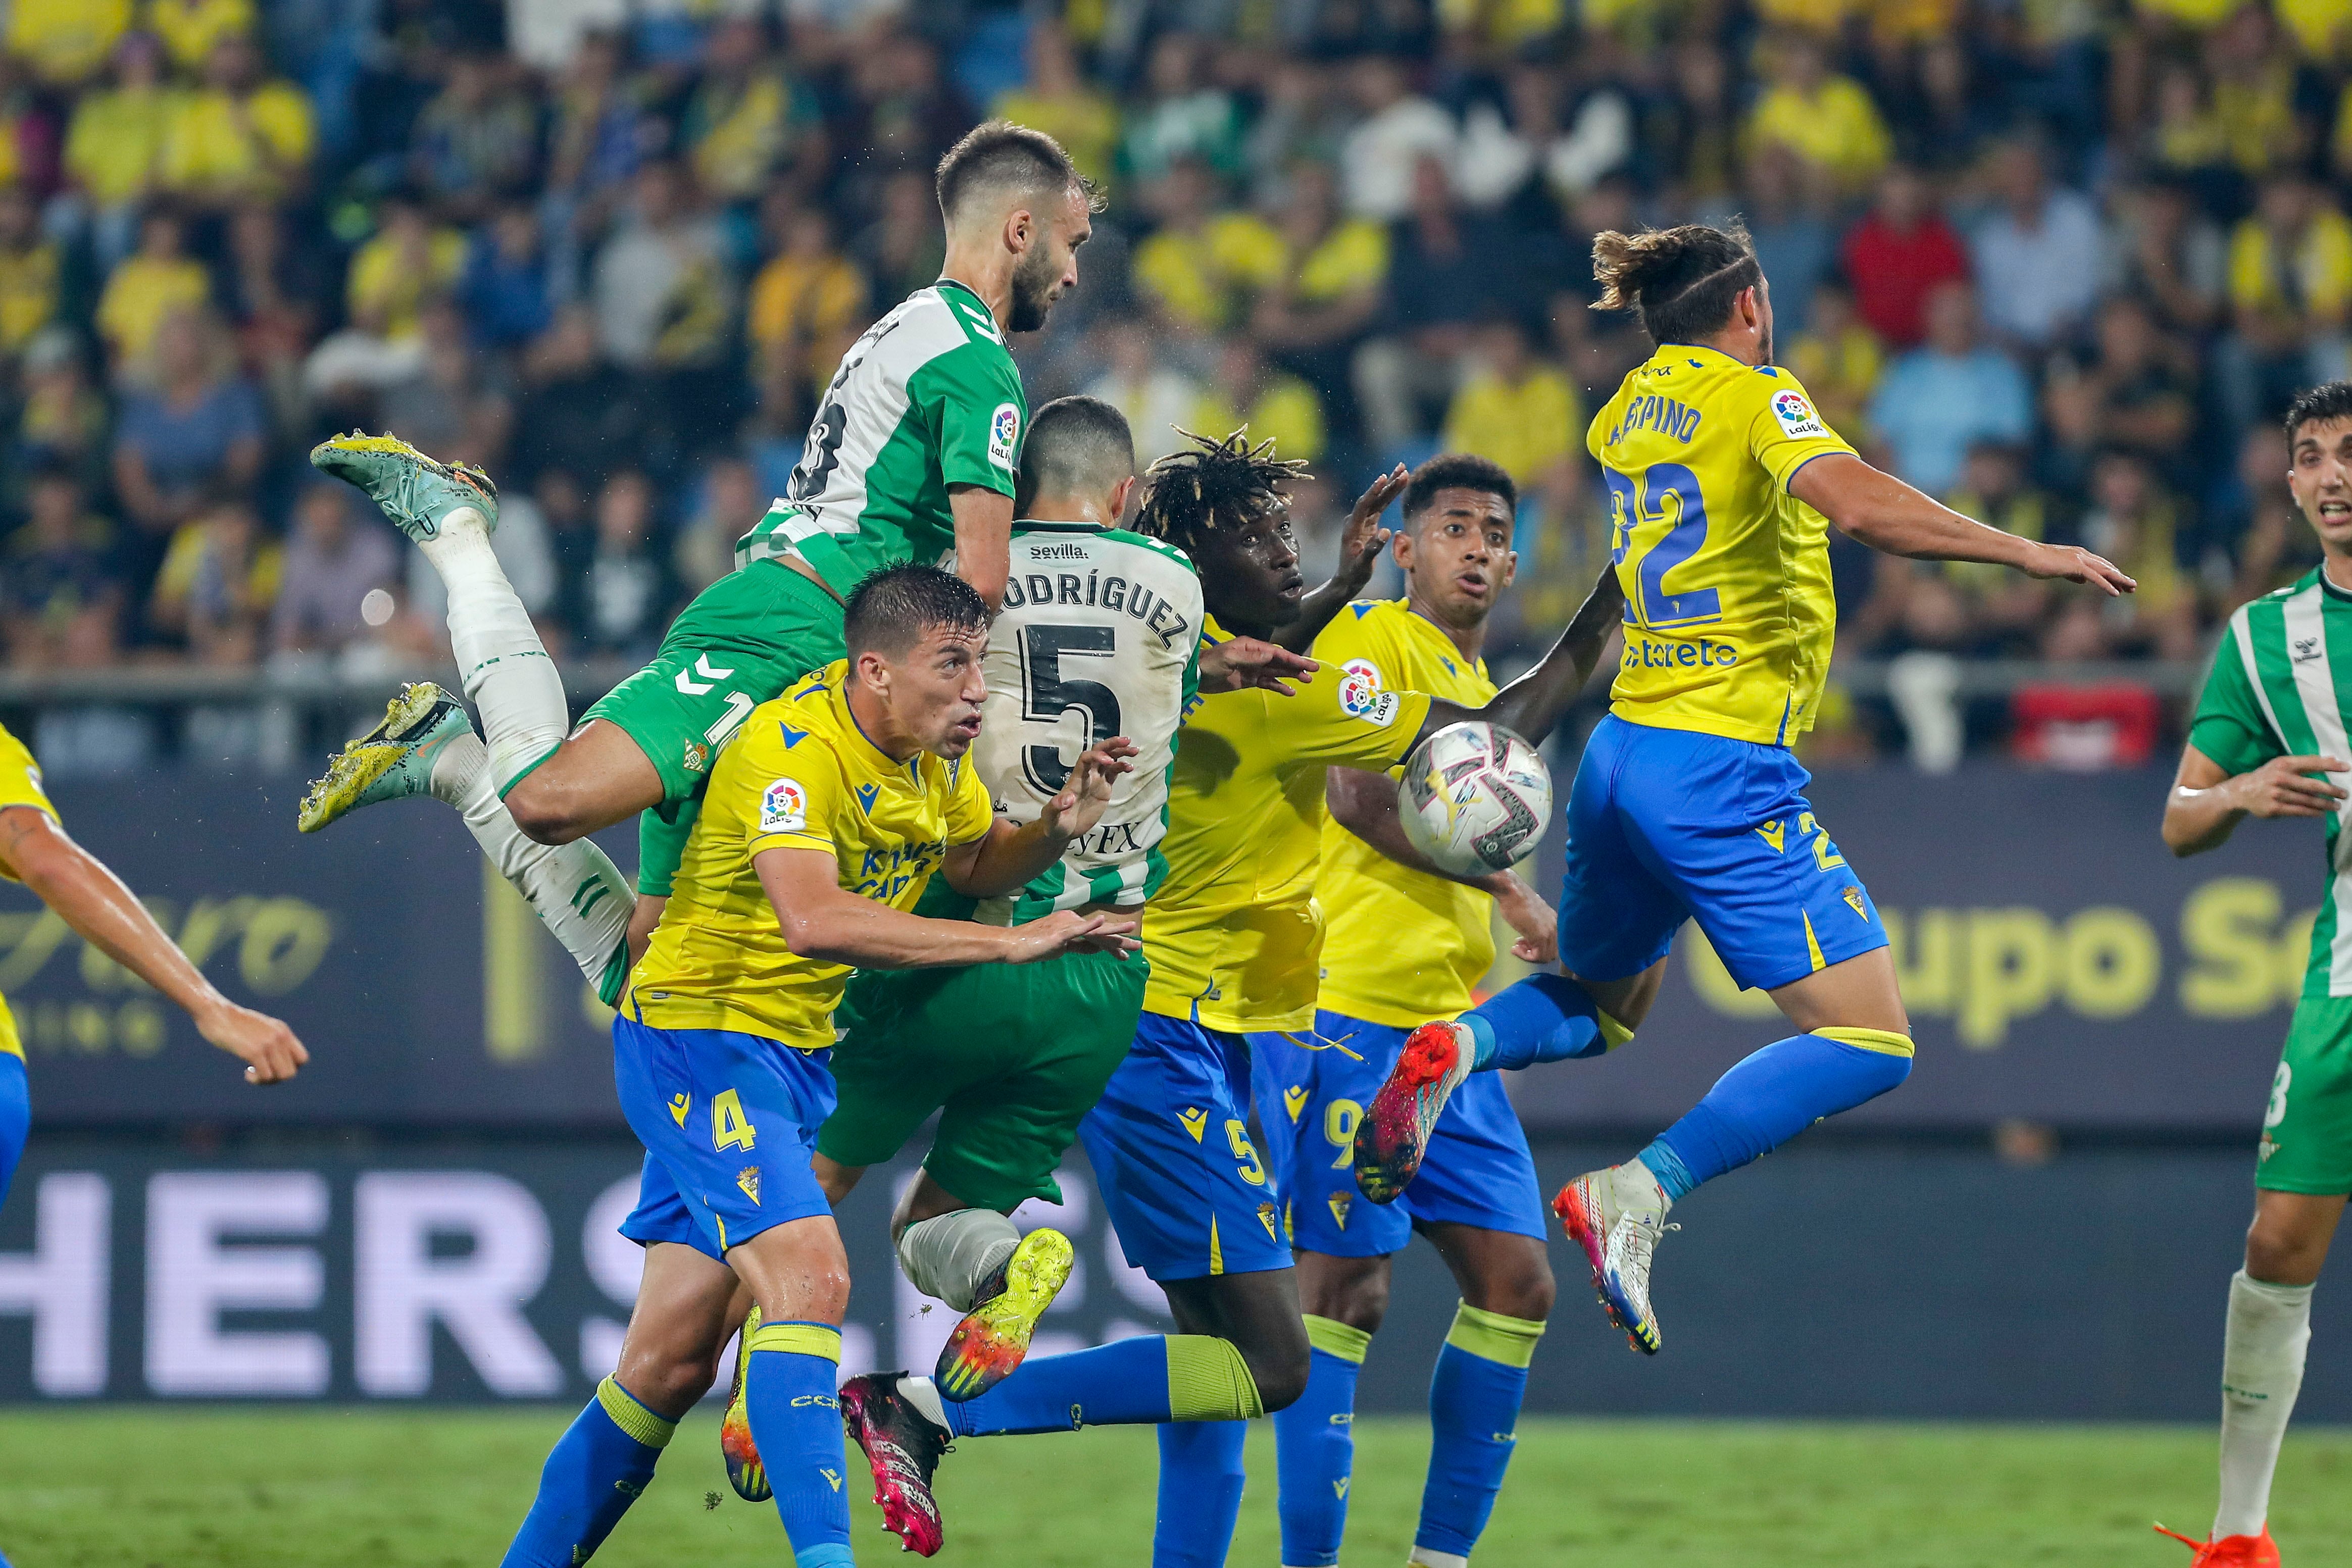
1070	932
2284	787
268	1049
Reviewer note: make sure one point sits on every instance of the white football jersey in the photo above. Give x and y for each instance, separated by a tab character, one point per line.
1099	636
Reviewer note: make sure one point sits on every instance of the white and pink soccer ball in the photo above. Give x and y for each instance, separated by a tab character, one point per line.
1474	798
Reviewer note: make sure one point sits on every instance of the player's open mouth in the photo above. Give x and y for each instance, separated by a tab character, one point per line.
2339	510
1471	582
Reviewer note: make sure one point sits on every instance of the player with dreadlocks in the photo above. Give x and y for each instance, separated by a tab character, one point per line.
1232	937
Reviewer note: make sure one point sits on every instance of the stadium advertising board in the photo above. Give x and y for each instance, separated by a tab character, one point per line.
2060	965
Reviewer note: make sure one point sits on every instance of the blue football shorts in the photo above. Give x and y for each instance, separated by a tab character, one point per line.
1183	1183
15	1115
1312	1093
728	1122
1669	825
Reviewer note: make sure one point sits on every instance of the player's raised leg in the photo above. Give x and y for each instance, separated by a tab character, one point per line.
425	744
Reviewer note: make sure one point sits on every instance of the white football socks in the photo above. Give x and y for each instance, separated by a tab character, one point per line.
501	663
950	1256
2261	1371
574	889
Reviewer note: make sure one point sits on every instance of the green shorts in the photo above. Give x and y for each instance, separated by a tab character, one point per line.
2307	1130
1014	1056
744	639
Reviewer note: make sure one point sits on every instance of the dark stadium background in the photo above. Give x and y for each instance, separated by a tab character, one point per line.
2060	261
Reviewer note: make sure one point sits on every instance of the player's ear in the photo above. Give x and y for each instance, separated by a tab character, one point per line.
1400	546
1119	499
1020	230
1510	569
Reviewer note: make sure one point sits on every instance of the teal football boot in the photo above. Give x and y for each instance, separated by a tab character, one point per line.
390	762
413	490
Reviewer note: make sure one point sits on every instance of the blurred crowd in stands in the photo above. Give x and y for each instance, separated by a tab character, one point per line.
2060	262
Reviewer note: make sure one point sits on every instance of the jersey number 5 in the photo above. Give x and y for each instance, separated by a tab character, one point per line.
1636	504
1048	693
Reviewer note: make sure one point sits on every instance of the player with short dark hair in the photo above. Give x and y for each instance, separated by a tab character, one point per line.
911	457
1402	942
1232	937
824	822
1688	803
2270	728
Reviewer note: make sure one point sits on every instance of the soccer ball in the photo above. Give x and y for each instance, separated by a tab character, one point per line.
1474	798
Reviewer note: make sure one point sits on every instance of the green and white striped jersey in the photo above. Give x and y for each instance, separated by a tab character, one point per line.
1099	636
928	398
2281	685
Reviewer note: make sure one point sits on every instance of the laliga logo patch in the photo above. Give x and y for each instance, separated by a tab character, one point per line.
1796	415
1359	689
784	808
1004	434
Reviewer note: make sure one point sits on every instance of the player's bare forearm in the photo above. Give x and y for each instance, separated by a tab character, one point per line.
823	920
94	902
97	906
1316	611
983	536
1366	805
2207	803
1534	703
1005	861
1882	512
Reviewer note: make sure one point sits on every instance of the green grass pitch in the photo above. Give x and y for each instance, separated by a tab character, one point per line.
266	1489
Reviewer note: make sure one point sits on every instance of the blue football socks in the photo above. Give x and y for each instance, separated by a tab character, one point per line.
1199	1493
598	1468
1544	1018
788	1392
1770	1097
1474	1411
1124	1382
1315	1446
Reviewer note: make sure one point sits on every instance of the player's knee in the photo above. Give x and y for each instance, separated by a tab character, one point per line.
538	810
2281	1252
1526	1292
668	1377
1281	1380
1358	1299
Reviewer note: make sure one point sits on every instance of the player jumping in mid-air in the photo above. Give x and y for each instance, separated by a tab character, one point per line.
1688	803
1233	938
96	906
1100	635
824	823
2269	728
1406	942
912	456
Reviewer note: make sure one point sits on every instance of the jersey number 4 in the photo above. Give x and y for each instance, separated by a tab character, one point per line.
1636	503
1048	692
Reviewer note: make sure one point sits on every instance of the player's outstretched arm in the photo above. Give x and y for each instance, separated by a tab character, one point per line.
983	536
93	901
2207	803
1359	546
823	920
1245	664
1533	704
1885	514
1010	858
1366	805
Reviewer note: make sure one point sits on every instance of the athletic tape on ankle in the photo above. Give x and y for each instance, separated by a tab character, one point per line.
1338	1339
951	1255
653	1431
1209	1381
1614	1033
1883	1041
1491	1336
797	1339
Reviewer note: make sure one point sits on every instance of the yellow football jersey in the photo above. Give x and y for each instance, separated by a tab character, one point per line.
20	785
1233	934
1400	947
800	775
1728	610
